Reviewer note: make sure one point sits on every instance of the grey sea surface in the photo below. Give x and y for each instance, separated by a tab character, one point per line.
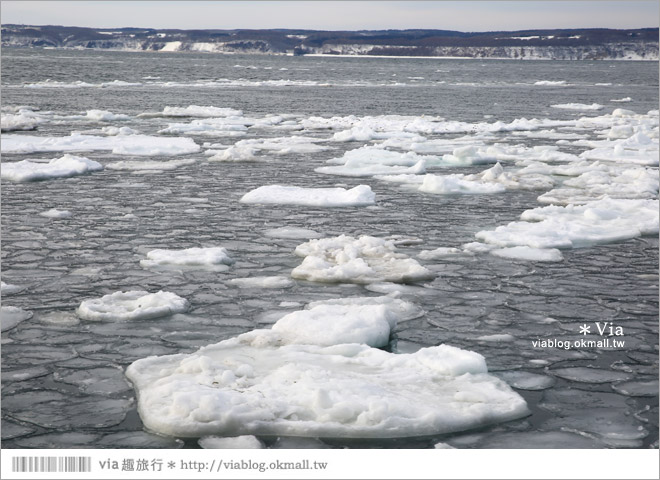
63	384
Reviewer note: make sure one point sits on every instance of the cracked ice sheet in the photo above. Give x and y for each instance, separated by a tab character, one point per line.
254	385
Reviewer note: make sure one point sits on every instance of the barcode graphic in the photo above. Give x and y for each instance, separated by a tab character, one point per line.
51	464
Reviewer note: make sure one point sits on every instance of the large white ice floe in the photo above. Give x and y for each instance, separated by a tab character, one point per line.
363	260
359	196
66	166
20	119
120	145
215	258
259	384
573	226
131	305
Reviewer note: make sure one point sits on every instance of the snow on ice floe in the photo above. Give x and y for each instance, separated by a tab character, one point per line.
240	442
12	316
255	385
292	232
20	119
492	180
375	160
215	258
55	213
573	226
121	145
363	260
262	282
578	106
131	305
359	196
30	171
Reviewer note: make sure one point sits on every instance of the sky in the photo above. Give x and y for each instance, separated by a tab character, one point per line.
467	16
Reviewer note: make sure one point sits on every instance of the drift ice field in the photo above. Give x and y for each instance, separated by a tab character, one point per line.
275	252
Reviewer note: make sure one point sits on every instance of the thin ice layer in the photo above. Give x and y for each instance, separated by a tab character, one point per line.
361	195
363	260
66	166
603	221
250	385
132	305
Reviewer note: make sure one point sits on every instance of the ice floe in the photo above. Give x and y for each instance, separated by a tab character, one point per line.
55	213
216	258
149	165
12	316
241	442
66	166
366	259
21	119
578	106
574	226
121	145
359	196
247	149
529	254
194	111
254	385
131	305
262	282
292	232
375	160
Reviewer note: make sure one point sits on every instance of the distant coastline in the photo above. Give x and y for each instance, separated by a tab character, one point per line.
562	44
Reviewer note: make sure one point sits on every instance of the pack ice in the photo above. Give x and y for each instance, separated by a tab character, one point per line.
314	374
366	259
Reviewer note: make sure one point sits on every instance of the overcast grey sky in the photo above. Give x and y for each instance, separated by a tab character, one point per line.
342	15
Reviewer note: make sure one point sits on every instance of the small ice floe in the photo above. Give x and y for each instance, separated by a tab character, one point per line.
292	232
215	258
621	100
401	310
375	160
241	442
550	83
104	116
637	388
245	150
195	111
525	380
8	289
226	126
21	120
439	253
359	196
457	184
149	165
590	375
578	106
497	338
441	445
55	213
120	145
256	385
363	260
262	282
131	305
66	166
574	226
529	254
12	316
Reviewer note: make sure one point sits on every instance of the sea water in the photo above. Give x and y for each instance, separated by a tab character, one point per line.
542	326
